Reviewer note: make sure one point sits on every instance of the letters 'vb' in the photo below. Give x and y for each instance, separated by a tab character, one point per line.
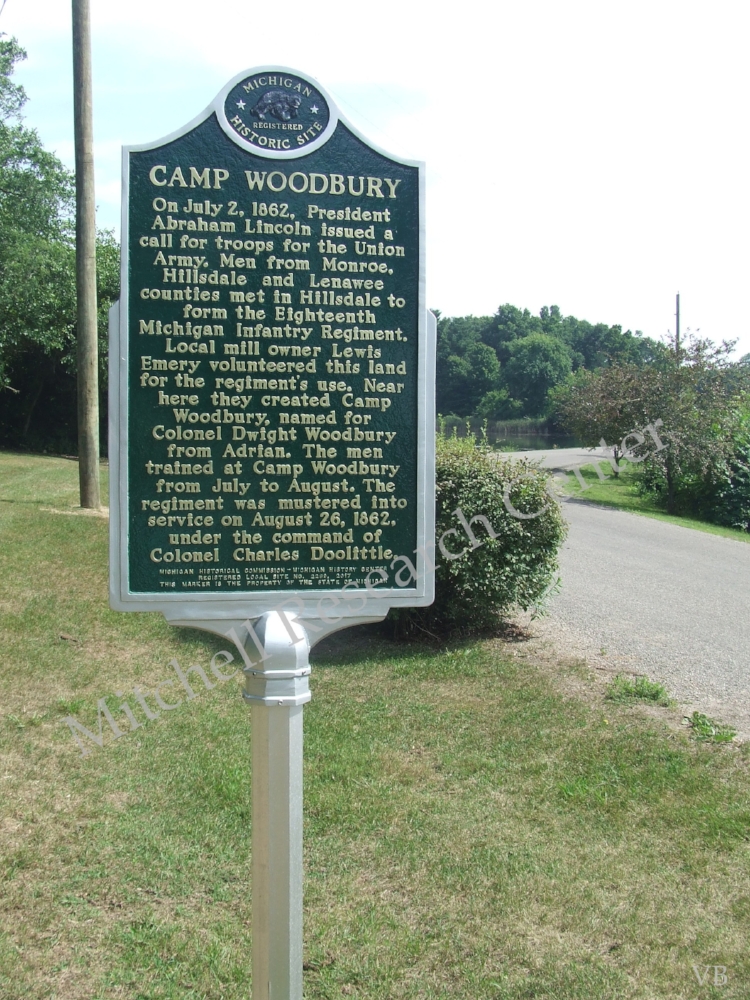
272	367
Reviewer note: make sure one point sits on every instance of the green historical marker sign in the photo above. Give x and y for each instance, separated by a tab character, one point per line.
272	418
272	414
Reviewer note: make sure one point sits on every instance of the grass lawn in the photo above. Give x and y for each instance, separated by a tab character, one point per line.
621	493
473	829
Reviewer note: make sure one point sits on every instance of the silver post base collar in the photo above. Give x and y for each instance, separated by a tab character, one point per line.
277	687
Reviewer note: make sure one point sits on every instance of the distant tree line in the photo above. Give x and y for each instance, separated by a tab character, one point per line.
504	366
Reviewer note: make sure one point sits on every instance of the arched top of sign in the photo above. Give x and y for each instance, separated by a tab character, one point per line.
276	112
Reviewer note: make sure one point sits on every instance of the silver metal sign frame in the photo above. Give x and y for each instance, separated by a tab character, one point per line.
273	631
191	609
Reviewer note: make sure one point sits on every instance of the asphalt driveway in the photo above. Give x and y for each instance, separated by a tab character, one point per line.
659	599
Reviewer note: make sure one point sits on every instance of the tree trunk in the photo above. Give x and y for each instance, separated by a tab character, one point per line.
29	415
670	487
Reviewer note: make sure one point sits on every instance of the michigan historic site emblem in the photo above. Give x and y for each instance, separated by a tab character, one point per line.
277	113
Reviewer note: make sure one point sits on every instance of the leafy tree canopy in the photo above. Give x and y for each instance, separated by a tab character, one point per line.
12	95
467	383
692	398
37	253
536	364
38	279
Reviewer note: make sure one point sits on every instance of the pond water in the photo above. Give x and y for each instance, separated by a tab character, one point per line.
533	442
514	435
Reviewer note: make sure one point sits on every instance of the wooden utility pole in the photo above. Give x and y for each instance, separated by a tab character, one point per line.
88	360
677	327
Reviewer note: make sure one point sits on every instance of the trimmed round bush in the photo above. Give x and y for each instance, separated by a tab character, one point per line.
479	581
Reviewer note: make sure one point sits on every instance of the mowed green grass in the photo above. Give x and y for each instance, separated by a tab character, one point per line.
470	830
620	492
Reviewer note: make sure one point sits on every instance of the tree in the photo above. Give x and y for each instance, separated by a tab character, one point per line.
466	367
37	281
498	405
536	364
38	409
590	345
508	325
457	334
690	398
36	236
596	406
579	345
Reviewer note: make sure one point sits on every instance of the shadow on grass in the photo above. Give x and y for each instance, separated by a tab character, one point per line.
196	636
365	643
32	502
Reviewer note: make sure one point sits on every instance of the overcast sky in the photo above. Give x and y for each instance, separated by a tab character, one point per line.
591	155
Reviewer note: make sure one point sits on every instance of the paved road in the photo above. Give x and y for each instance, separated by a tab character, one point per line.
561	458
663	600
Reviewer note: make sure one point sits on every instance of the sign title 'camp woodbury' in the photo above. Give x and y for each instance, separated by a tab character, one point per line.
276	181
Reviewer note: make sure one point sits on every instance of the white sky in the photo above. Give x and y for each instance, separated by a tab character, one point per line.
588	154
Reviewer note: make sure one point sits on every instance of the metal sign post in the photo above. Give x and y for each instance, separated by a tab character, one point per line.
277	696
272	418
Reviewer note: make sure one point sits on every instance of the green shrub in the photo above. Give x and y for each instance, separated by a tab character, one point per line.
498	405
721	495
492	575
730	491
